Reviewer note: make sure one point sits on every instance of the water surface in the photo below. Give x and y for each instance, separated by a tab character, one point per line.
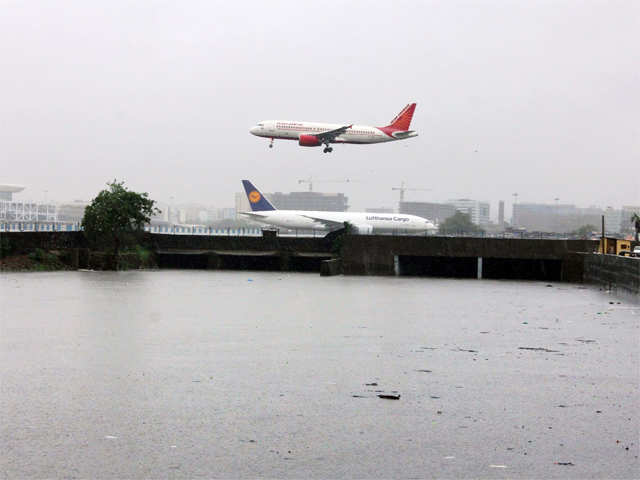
185	374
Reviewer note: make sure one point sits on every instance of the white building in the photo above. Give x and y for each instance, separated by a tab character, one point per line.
612	220
24	211
478	211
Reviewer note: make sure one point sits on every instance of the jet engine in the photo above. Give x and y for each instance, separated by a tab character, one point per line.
363	229
308	141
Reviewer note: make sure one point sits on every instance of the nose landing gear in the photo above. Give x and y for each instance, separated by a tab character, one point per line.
271	143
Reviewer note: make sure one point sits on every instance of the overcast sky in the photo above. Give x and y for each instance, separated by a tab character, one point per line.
541	98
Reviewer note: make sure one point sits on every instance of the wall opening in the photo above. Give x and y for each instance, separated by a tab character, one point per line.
451	267
172	260
522	269
306	264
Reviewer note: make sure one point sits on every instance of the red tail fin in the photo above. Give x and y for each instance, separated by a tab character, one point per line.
403	119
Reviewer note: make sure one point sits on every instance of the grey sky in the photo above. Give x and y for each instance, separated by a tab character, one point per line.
161	94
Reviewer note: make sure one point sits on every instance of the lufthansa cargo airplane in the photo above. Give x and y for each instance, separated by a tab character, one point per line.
309	134
364	223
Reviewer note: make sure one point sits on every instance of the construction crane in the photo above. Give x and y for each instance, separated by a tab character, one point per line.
403	189
311	181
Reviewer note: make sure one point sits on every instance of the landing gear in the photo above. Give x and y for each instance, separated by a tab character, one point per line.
328	149
271	143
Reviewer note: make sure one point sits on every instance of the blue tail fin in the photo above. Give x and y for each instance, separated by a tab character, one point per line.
258	202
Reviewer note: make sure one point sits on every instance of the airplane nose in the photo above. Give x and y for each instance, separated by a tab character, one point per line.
254	130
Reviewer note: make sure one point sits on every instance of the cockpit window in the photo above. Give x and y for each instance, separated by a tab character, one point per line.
261	124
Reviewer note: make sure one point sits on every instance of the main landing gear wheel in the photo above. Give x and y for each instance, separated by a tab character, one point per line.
328	149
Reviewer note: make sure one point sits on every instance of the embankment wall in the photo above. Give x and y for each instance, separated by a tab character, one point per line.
613	272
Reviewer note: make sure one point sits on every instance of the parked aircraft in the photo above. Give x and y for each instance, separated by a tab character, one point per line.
363	222
312	134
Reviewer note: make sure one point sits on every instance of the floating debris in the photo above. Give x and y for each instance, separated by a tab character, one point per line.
389	396
570	464
424	370
538	349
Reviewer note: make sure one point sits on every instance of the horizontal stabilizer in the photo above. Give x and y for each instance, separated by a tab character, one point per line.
405	134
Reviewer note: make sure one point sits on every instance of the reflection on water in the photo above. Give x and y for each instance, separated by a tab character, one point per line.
244	374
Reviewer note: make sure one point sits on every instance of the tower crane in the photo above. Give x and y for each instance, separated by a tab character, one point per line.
403	189
311	181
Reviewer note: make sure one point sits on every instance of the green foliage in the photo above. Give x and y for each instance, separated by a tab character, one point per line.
116	217
45	261
635	220
5	246
585	231
144	254
459	223
337	237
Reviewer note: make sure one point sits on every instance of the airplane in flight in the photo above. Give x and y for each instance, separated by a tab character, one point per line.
311	134
364	223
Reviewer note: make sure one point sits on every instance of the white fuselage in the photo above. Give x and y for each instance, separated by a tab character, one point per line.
292	130
363	221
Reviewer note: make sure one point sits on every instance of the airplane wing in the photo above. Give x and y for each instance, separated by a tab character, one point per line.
325	222
329	136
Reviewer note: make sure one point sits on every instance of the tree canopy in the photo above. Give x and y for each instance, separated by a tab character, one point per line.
635	220
586	231
116	215
459	223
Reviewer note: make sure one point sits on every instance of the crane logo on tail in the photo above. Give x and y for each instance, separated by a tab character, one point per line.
254	197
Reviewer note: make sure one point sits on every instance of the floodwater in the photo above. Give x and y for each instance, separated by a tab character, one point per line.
187	374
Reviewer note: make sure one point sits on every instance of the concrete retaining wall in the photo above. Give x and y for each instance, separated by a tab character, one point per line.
377	255
613	272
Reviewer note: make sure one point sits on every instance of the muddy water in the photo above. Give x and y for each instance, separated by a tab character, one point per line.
178	374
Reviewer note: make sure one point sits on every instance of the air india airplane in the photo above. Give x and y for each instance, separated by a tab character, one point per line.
363	223
309	134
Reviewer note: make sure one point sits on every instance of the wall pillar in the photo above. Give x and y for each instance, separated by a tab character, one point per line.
479	268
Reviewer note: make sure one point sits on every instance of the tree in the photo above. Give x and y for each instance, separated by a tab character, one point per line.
117	216
459	223
635	220
586	231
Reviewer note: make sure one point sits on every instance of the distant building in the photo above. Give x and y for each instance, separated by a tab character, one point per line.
612	221
477	211
541	217
379	210
242	203
28	211
436	212
72	211
324	202
7	191
21	211
501	214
